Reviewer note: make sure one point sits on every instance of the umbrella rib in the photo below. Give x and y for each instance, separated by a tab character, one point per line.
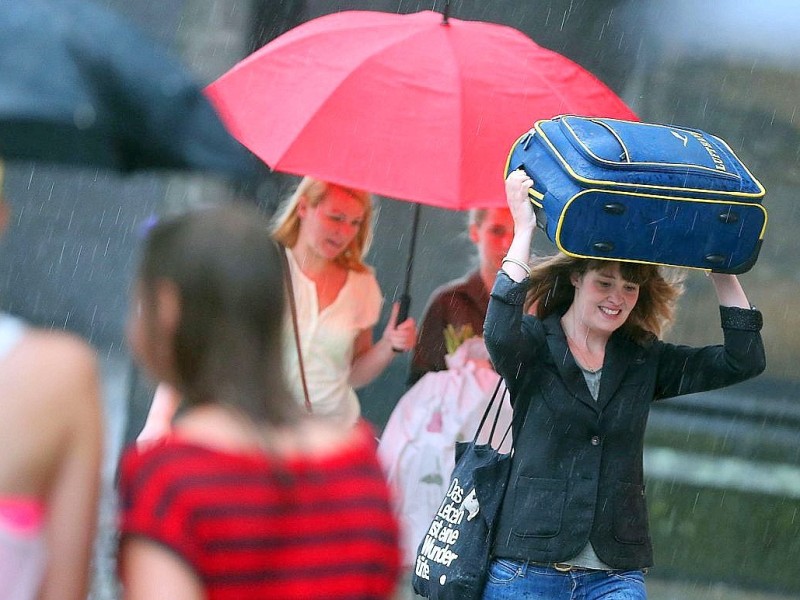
461	116
353	71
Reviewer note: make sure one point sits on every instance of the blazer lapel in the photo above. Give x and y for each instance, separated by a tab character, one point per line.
621	353
568	369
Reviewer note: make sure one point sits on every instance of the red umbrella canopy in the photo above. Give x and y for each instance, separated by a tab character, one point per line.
410	106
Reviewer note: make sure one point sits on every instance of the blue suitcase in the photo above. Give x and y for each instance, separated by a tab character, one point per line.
642	192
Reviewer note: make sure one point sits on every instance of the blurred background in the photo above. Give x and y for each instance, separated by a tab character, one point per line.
723	469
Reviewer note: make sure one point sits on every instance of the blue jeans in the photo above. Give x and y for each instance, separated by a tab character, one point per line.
519	580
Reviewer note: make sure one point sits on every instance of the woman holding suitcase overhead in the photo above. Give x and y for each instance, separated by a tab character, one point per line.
584	371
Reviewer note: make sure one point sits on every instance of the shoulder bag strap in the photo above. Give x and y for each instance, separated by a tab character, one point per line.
287	274
496	415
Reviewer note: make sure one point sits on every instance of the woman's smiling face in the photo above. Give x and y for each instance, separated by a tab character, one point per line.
603	298
329	227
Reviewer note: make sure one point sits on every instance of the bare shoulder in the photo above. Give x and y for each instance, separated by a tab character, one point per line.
51	388
56	365
61	351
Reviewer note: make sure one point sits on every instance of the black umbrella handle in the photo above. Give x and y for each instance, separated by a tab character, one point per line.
405	298
402	312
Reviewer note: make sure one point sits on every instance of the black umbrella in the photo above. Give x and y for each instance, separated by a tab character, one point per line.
80	85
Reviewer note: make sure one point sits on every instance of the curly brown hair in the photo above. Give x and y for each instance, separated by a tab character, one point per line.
552	291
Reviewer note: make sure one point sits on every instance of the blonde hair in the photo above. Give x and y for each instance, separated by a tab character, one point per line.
552	291
286	225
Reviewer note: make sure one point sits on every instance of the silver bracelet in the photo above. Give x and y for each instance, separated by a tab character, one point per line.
519	263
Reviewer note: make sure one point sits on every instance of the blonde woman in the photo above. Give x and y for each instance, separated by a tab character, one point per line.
326	230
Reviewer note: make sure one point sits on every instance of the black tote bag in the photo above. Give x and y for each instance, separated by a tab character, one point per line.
453	557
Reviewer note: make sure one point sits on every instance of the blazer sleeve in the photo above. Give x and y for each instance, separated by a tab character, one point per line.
510	336
687	370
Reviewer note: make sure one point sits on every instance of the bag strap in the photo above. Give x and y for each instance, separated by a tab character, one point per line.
496	415
287	275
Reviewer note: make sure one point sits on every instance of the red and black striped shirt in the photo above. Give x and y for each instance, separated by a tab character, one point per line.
252	526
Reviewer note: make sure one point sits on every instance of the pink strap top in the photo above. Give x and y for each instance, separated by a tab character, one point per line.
22	546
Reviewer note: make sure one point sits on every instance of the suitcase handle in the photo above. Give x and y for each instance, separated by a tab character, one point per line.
625	156
537	199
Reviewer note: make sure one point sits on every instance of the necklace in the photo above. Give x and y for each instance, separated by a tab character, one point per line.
582	356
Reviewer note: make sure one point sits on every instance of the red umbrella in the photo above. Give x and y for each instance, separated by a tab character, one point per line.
407	106
415	107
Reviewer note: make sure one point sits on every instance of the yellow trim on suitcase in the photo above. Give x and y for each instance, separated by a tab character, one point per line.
585	180
649	196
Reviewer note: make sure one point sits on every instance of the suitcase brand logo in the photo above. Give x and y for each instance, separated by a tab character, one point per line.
683	138
719	165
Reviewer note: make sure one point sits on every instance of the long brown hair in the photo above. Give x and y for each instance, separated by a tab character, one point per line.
552	291
286	226
229	277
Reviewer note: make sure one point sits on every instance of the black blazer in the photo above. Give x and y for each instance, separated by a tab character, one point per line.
577	469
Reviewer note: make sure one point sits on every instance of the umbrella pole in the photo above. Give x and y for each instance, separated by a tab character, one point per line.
405	297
